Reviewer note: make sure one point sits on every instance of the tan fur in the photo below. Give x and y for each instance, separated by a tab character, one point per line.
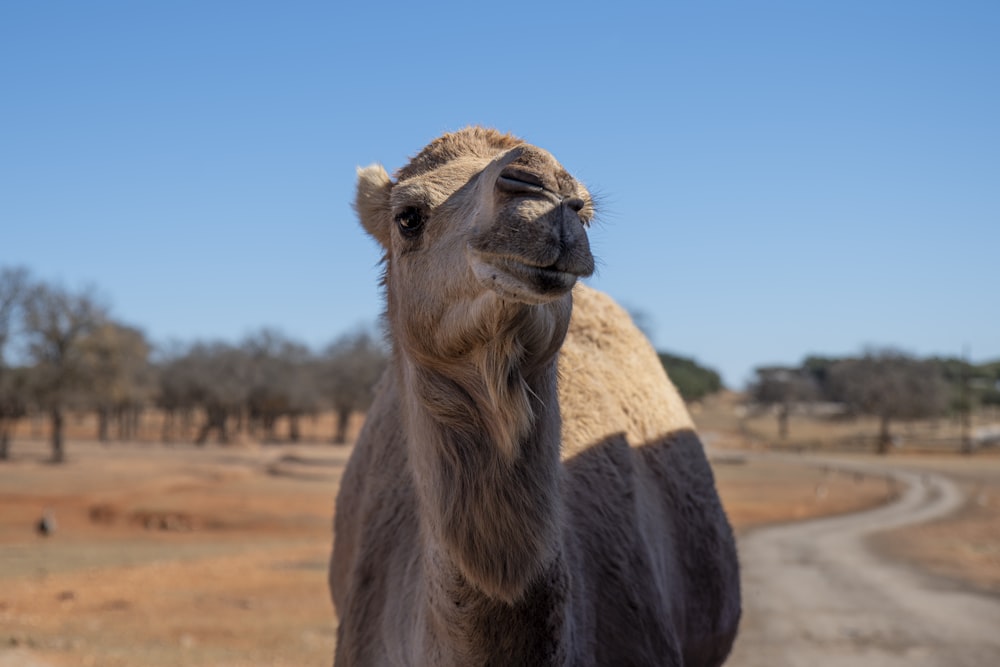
528	487
372	201
612	379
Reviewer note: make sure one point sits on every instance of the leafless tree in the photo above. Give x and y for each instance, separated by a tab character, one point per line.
353	365
15	389
176	394
13	406
119	376
892	386
219	381
284	382
781	388
13	285
267	398
302	380
56	320
265	378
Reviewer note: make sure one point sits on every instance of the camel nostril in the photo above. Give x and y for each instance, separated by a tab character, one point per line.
574	203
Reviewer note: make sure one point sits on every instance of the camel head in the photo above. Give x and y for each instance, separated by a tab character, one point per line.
478	229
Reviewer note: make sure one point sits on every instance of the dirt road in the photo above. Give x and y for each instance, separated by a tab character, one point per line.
815	595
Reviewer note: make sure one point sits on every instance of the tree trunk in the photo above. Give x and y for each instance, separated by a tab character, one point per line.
222	423
122	417
134	421
293	428
4	442
268	426
58	453
241	419
202	436
216	418
966	425
102	424
205	429
168	425
343	417
185	422
884	436
783	422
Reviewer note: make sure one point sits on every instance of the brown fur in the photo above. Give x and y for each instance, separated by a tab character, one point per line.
519	495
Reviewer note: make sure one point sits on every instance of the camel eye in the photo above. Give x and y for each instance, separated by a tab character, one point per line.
410	221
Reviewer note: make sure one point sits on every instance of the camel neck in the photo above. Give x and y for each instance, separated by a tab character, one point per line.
484	453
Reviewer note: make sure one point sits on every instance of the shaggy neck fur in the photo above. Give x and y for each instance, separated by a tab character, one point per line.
482	414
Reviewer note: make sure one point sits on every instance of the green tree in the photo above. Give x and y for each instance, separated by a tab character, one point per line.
692	380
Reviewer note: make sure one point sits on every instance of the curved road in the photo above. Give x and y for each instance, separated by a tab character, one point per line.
814	595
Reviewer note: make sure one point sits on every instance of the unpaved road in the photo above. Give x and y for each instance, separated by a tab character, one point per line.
814	595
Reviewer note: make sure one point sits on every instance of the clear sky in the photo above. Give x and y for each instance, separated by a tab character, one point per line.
777	178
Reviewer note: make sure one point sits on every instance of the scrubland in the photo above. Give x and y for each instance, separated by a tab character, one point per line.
216	555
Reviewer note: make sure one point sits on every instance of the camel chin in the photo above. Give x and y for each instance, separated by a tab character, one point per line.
517	281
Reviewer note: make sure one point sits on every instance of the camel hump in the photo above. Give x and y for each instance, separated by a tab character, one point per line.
611	380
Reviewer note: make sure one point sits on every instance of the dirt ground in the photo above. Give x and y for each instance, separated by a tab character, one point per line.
176	555
168	555
757	493
965	546
815	593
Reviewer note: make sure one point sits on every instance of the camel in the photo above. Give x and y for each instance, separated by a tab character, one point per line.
528	488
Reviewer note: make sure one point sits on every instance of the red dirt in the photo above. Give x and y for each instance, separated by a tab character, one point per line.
217	556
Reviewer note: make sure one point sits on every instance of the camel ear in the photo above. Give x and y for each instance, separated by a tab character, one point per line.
372	202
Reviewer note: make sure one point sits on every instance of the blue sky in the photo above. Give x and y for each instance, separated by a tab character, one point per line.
777	178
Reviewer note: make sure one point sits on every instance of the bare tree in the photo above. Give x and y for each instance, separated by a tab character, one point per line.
284	382
119	378
175	393
353	365
13	406
56	321
267	396
15	388
781	388
302	378
892	386
219	380
13	285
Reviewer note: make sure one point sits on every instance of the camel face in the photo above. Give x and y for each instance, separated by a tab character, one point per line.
528	241
478	212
